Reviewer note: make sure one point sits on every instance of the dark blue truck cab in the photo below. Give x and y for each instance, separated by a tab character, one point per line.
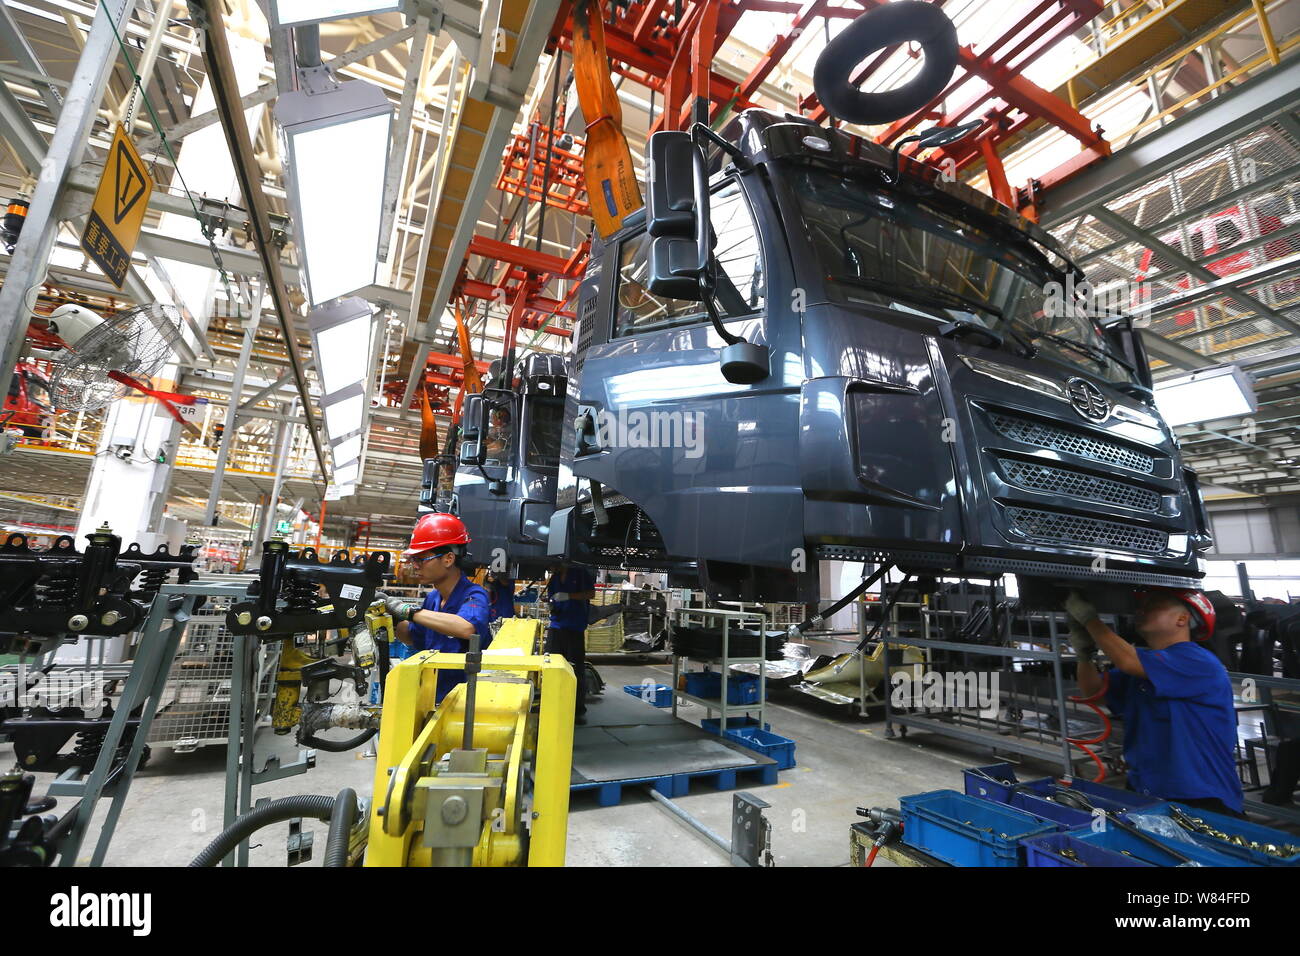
916	383
934	393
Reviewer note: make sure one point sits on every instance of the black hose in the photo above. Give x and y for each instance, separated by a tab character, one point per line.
286	808
337	746
886	26
341	822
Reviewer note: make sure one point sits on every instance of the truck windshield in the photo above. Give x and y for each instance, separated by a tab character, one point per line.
883	248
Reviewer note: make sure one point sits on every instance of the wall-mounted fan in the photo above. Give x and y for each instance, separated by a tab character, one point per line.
102	357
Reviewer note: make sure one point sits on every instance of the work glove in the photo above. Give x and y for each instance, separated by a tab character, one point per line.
1079	609
559	596
1085	648
399	609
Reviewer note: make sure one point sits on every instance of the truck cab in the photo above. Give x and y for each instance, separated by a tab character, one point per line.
508	464
932	393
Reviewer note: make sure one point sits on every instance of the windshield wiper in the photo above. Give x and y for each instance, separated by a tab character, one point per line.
1098	355
947	299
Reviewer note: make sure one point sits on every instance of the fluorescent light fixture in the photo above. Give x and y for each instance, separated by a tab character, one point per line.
334	492
340	338
347	475
344	417
336	149
287	13
348	450
1206	395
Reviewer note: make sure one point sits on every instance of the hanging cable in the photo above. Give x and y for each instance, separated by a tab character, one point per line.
208	232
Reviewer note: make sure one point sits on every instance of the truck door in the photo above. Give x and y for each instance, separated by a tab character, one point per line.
707	461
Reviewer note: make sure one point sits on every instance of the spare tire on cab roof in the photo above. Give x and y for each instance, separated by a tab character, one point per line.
900	22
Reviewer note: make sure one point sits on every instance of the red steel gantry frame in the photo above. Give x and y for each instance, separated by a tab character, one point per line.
645	44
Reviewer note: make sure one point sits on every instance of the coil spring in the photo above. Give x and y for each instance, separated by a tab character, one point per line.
85	751
152	578
299	595
57	589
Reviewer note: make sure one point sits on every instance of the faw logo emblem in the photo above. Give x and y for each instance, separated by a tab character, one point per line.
1088	400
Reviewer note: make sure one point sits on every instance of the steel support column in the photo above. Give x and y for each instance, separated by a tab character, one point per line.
232	408
68	145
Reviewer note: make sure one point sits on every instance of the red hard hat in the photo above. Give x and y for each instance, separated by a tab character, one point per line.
436	530
1197	602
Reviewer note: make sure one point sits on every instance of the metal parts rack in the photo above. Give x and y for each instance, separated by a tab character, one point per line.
730	620
1044	640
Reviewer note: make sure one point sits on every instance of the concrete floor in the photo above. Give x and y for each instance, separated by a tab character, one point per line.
175	805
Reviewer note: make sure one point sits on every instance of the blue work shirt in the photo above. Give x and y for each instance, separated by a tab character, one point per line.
467	600
1180	728
570	615
503	599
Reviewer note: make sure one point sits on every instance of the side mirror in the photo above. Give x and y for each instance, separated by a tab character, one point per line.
1126	339
473	427
677	217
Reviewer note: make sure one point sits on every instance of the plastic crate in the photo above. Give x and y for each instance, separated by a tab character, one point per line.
1116	799
1005	783
1046	851
741	688
998	781
1120	841
1064	817
714	724
952	827
780	749
659	695
1235	826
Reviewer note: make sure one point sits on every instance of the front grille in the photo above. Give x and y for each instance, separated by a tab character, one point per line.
1072	442
1053	528
1071	484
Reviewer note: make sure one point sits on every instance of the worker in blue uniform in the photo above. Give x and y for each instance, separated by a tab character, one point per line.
570	591
1174	696
501	591
455	608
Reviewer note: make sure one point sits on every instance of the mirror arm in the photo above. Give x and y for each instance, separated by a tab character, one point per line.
700	132
703	251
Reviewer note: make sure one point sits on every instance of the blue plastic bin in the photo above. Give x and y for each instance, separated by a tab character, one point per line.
660	695
951	826
1046	851
1251	831
1006	783
714	724
780	749
1065	818
741	688
1115	839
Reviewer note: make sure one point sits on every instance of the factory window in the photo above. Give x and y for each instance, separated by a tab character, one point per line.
741	282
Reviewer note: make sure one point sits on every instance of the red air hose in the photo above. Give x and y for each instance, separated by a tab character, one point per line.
1085	744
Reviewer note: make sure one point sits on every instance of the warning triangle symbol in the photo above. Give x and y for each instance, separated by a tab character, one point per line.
129	183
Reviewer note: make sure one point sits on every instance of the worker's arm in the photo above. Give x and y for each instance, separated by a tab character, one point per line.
1121	653
453	625
1089	678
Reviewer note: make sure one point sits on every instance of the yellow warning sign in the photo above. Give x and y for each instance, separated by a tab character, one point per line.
118	210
